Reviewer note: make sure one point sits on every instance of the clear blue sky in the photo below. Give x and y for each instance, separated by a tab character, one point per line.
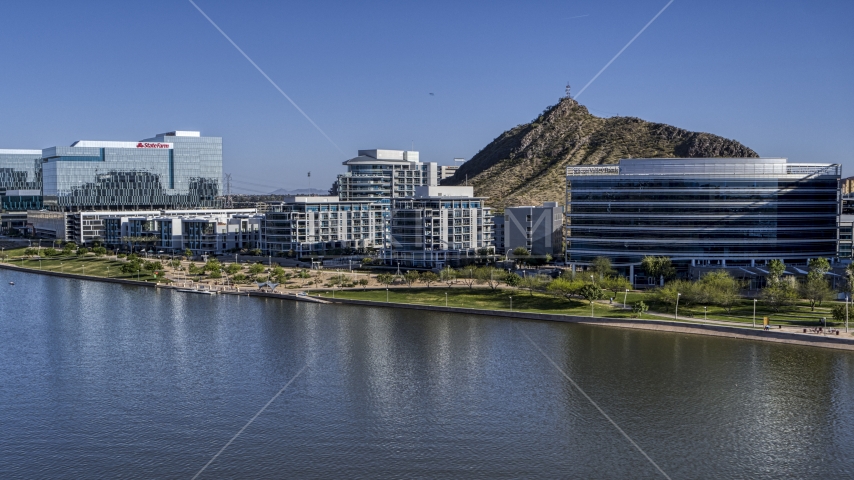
775	75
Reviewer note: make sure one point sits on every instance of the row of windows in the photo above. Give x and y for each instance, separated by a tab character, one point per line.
612	196
665	235
630	182
588	250
722	221
706	209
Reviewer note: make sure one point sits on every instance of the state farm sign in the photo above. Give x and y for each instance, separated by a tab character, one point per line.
153	145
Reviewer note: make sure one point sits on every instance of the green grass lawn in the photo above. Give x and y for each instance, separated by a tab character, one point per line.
484	298
799	314
84	265
481	298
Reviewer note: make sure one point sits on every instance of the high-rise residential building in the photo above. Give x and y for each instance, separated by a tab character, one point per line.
307	225
539	230
179	169
20	179
702	211
380	175
438	226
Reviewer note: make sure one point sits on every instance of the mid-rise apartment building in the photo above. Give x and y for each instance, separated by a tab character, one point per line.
110	227
201	231
306	225
438	226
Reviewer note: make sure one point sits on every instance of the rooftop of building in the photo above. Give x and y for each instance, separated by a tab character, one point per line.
544	205
771	166
444	191
146	143
383	157
13	151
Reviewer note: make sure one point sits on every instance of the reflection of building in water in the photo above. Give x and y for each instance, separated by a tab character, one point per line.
171	170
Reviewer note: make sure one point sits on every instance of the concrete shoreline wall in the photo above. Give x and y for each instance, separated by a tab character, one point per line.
641	324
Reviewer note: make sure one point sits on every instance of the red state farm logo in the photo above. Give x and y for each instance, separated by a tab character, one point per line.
152	145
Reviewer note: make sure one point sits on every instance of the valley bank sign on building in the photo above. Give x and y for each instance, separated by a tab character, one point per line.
179	169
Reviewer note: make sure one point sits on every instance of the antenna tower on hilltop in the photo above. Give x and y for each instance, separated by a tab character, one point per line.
567	91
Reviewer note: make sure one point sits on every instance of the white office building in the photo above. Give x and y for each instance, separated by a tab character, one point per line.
447	171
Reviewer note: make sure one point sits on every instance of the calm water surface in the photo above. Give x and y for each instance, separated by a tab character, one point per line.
106	381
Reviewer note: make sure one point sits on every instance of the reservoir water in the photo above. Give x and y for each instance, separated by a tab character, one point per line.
103	381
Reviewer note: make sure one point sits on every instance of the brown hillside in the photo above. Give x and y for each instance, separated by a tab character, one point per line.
526	164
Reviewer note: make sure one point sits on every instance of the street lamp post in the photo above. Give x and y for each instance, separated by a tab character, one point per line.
446	299
61	270
625	295
677	305
846	313
704	314
511	303
754	313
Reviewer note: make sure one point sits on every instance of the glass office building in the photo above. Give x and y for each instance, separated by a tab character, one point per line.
177	169
706	211
20	179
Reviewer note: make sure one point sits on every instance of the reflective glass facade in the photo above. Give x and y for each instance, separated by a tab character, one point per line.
702	209
171	170
20	170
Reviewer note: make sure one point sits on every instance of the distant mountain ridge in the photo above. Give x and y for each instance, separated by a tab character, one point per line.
300	191
526	165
